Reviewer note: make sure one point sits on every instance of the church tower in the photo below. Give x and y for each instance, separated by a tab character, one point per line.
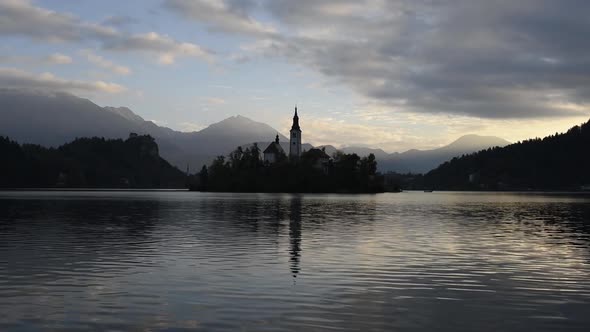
295	141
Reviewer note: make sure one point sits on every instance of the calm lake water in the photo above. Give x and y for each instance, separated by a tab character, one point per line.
175	261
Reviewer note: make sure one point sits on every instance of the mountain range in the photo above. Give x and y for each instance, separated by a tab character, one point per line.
54	118
422	161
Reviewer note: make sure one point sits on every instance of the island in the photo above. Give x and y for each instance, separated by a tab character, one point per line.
272	170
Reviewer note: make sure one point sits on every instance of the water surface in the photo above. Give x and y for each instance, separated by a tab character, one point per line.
174	261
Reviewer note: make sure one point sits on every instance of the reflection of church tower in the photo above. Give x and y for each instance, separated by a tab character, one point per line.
295	235
295	141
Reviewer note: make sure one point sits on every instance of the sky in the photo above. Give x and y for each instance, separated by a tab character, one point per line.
381	73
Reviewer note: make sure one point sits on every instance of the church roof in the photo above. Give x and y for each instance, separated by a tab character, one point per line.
274	148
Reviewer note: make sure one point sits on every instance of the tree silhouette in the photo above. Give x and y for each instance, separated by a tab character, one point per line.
557	162
245	172
88	162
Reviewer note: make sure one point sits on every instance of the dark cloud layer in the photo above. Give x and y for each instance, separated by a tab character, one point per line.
493	59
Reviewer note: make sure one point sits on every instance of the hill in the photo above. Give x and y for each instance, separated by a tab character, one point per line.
557	162
224	136
422	161
88	163
54	118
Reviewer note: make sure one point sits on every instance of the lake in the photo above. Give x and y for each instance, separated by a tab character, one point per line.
179	261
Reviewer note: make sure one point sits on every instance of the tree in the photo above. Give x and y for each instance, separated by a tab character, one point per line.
204	177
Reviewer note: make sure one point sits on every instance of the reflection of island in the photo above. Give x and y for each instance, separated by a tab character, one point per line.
295	235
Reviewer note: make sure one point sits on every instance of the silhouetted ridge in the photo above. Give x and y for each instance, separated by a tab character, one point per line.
90	163
559	162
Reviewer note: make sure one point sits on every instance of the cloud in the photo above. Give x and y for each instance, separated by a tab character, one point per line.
486	59
104	63
190	126
167	48
53	59
227	16
320	130
215	101
21	18
15	78
59	59
119	21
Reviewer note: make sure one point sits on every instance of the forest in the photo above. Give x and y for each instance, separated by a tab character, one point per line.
244	171
556	162
88	163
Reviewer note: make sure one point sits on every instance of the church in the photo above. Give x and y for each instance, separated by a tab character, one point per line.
274	152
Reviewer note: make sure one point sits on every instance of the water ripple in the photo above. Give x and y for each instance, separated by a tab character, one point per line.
163	261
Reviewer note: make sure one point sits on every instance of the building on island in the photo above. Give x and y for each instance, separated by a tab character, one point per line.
274	152
295	138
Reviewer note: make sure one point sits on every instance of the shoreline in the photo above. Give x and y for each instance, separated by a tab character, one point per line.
474	192
95	189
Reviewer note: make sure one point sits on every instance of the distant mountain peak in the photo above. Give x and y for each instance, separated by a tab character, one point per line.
238	119
476	141
235	119
239	125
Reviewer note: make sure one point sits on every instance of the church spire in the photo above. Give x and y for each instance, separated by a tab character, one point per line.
295	125
295	140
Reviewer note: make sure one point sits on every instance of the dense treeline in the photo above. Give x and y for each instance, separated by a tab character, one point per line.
558	162
244	171
89	163
397	182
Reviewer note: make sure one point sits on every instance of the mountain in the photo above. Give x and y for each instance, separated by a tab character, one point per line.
232	132
422	161
364	151
470	142
54	118
558	162
201	147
